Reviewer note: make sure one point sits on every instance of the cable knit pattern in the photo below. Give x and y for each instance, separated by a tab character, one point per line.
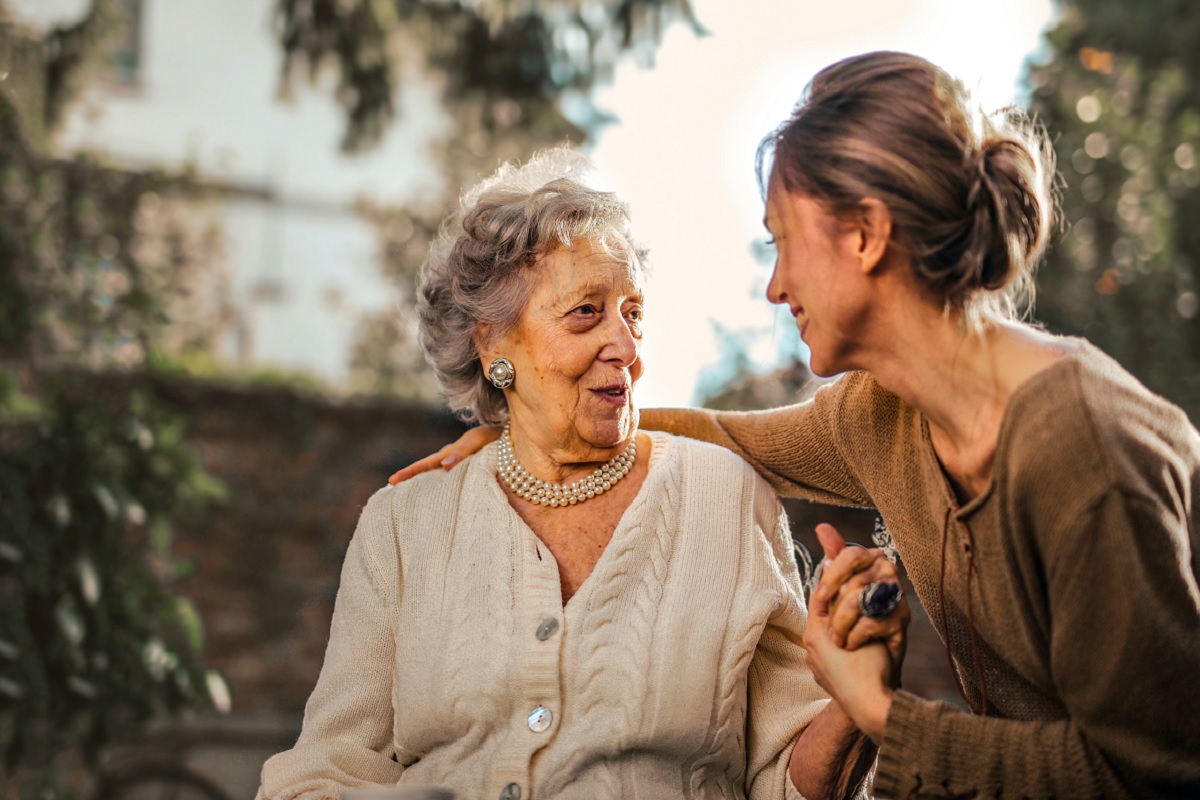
676	670
619	623
1085	594
712	772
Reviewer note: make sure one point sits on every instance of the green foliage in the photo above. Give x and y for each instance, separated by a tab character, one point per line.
1121	95
94	264
489	51
97	264
93	638
72	50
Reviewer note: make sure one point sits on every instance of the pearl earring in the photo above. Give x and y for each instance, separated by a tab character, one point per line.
501	373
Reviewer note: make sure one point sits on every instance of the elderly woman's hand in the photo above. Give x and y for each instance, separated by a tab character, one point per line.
857	680
469	443
846	573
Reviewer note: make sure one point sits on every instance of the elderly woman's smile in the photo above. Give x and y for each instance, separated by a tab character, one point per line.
575	351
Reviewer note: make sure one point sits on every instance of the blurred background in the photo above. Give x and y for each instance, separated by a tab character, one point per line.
211	215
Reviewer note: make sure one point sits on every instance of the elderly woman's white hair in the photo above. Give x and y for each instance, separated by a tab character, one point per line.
480	266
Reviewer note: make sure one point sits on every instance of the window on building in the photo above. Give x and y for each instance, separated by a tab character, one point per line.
127	52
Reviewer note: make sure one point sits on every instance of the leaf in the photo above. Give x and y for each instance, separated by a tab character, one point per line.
190	624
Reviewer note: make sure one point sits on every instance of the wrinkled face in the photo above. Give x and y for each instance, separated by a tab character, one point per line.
575	351
817	276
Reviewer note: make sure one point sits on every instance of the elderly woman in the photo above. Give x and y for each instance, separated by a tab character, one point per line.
584	610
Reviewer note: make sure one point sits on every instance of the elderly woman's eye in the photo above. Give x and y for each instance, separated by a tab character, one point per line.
586	308
634	314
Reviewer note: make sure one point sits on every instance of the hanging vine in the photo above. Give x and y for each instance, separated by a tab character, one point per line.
94	638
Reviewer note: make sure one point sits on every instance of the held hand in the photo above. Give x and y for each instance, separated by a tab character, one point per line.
847	571
469	443
857	680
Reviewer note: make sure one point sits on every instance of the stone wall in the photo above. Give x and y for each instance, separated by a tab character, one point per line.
298	470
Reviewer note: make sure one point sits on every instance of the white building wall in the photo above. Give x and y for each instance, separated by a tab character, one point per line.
207	96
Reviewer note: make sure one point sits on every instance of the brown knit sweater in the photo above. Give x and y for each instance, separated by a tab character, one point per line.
1080	617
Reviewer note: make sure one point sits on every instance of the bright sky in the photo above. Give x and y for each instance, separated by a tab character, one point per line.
683	153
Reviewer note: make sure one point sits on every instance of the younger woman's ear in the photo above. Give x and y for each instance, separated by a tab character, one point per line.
874	232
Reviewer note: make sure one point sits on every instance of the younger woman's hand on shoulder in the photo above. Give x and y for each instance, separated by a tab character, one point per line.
468	444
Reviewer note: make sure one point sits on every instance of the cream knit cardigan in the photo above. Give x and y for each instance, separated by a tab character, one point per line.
676	670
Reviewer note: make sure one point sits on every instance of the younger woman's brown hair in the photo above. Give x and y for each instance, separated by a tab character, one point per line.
971	195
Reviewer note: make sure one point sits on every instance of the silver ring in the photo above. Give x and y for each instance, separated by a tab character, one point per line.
879	599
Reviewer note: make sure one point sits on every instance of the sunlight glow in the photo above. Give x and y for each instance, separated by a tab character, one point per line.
682	153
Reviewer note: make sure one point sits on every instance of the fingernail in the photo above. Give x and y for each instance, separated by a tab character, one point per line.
449	461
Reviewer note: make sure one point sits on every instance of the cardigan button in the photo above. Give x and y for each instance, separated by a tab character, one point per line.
511	792
546	629
539	719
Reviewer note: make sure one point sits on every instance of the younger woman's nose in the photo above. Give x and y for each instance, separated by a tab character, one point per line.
775	292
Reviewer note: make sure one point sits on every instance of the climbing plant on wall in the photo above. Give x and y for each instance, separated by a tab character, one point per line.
94	639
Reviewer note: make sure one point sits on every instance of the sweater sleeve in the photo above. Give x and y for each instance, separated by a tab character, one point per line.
346	740
794	448
1124	656
783	694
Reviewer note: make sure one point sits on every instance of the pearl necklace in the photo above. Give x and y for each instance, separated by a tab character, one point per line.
554	495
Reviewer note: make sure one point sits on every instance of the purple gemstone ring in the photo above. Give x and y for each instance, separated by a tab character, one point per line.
879	599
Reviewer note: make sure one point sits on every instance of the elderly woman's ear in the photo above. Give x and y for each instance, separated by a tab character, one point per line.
483	342
486	347
498	369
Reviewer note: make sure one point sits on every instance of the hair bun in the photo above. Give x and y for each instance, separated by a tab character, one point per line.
970	195
1008	212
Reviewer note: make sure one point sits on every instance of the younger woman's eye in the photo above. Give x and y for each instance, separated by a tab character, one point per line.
770	242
